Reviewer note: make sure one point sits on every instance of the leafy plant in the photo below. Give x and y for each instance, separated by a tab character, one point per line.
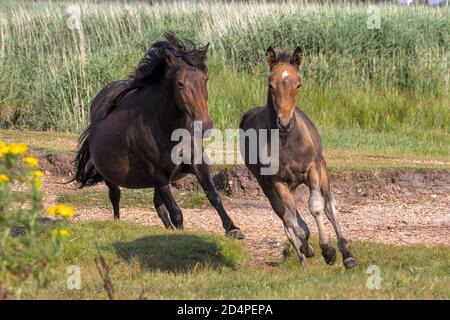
22	230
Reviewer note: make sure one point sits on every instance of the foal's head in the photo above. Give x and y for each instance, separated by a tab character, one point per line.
284	83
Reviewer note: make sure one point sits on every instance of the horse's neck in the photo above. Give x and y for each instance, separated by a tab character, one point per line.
272	115
169	115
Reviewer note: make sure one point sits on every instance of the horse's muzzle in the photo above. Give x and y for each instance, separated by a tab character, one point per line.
207	124
285	127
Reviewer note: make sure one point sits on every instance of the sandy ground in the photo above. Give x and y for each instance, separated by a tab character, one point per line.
392	214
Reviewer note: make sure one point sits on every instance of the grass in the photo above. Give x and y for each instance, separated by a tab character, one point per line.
130	198
392	81
153	263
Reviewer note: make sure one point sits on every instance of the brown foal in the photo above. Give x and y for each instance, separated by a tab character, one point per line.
300	160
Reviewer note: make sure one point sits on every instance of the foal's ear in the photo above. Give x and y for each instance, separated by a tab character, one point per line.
297	57
271	57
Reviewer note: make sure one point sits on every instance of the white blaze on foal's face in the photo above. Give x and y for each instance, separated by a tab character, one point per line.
284	82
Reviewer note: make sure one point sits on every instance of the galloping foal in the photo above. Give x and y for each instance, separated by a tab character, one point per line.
300	160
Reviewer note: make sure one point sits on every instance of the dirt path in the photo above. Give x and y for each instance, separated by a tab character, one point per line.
405	212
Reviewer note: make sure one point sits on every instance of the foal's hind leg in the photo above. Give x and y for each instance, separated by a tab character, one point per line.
332	214
161	209
114	197
316	205
296	229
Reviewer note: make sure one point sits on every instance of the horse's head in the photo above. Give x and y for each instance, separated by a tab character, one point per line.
189	87
284	83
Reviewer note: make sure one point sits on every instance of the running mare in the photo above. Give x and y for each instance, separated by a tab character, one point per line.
300	160
128	142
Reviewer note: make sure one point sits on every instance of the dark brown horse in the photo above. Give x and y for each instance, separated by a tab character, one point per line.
300	160
128	142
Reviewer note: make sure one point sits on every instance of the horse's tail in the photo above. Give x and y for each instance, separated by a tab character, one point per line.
86	174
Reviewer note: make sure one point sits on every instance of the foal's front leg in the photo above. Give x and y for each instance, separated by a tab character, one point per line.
295	227
202	172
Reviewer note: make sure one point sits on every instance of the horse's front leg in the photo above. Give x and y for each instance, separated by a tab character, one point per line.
175	213
203	174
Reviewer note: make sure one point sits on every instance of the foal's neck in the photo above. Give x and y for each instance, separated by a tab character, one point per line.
271	111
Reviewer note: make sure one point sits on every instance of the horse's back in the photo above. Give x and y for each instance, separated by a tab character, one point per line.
103	102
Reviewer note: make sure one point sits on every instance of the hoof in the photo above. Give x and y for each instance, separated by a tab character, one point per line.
303	262
350	262
235	234
308	252
329	254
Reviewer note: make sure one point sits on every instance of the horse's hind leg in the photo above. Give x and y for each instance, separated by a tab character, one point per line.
161	209
332	215
176	216
114	196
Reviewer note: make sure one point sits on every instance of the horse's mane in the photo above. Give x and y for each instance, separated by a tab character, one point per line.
283	55
155	62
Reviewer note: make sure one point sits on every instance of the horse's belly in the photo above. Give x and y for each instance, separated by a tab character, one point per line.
112	157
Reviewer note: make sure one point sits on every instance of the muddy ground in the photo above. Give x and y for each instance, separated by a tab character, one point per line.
395	206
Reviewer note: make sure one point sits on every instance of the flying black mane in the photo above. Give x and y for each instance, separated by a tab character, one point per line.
156	61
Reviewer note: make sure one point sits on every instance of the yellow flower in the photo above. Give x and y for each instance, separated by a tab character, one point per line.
4	149
61	210
17	149
63	233
36	174
31	161
66	211
37	183
4	178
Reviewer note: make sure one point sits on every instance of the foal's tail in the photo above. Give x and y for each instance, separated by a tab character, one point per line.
86	173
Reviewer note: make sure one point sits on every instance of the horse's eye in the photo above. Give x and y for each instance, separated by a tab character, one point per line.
180	84
299	85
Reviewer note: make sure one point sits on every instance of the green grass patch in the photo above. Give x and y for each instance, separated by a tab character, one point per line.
130	198
153	263
390	80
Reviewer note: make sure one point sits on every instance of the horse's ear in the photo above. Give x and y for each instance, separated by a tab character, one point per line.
171	59
202	51
297	57
271	57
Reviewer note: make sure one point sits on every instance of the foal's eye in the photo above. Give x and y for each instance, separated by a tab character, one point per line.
299	85
180	84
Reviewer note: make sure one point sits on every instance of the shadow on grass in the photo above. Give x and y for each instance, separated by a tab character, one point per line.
177	253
